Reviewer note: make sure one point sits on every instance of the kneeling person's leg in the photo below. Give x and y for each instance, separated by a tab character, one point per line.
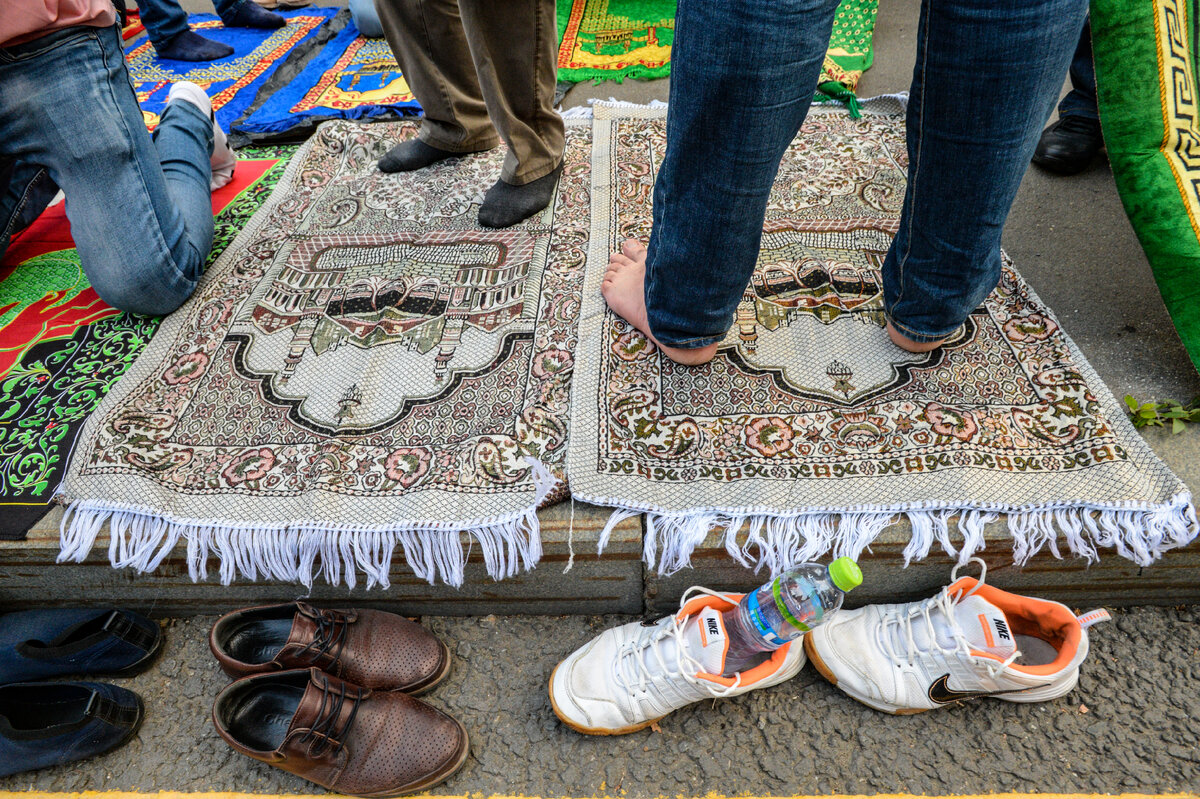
25	191
140	211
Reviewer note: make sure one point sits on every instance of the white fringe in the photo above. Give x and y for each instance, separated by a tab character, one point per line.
779	542
142	540
585	112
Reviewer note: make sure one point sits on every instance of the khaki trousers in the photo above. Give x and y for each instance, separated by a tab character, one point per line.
478	67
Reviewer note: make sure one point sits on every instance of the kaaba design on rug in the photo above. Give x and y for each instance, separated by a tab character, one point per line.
810	432
365	368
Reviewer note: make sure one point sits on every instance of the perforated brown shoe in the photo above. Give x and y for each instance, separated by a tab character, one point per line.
339	735
371	648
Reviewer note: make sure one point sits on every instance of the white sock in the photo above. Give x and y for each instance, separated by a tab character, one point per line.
223	158
183	90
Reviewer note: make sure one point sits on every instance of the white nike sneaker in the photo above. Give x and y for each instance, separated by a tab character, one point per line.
969	641
629	677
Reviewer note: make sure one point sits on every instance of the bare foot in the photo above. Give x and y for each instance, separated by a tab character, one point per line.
624	290
905	343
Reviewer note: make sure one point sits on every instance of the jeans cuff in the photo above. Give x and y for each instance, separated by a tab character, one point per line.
687	343
919	336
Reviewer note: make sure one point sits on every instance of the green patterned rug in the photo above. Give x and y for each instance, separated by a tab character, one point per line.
1146	81
62	347
618	39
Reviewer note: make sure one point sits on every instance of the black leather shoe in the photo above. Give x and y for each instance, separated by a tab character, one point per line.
1068	146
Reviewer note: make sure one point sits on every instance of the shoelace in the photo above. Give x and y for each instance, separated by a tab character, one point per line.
631	662
329	637
323	727
945	602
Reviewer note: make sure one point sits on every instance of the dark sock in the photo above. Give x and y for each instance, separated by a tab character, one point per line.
413	154
188	46
249	15
506	204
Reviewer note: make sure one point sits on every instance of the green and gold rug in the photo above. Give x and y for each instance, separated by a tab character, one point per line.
618	39
1145	55
811	433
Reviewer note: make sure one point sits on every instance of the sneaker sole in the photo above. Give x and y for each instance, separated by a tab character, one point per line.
593	730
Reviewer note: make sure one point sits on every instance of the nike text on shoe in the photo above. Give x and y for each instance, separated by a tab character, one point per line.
629	677
969	641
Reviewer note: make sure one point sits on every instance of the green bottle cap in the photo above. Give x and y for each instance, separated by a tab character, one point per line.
845	574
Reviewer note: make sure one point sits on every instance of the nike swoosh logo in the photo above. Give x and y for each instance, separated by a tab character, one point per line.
941	694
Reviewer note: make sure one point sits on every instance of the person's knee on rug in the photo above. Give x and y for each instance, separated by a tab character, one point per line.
157	275
139	207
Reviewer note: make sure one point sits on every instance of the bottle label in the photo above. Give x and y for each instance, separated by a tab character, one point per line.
777	592
781	604
760	623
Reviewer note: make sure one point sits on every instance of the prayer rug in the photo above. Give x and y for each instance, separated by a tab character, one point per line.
340	74
615	39
1145	56
366	367
850	53
62	347
232	82
618	39
810	428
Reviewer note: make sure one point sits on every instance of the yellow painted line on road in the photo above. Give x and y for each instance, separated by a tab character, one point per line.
244	795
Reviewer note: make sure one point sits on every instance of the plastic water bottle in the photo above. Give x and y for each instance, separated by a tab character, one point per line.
784	609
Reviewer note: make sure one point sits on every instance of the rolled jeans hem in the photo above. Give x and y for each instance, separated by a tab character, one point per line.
919	337
688	343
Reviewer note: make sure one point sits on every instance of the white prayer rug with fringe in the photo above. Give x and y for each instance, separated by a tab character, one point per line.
364	368
811	433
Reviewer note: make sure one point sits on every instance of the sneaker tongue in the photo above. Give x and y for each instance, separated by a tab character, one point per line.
985	626
707	640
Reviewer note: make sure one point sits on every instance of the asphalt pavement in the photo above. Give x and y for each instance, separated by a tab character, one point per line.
1131	725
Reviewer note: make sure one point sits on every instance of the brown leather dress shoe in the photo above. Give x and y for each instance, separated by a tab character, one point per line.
371	648
339	735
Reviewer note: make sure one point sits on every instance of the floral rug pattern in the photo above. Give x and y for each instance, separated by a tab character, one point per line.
811	417
366	368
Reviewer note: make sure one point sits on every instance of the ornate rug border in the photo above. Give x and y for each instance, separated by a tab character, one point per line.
142	536
1138	530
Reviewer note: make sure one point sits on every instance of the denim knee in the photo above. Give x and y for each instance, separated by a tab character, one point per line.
150	287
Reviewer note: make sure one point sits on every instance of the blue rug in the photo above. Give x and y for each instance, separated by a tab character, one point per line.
232	82
339	75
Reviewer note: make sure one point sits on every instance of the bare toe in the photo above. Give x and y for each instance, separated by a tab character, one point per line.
633	249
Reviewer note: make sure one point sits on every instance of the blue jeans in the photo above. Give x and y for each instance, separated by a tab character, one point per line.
1081	100
743	73
166	19
140	209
